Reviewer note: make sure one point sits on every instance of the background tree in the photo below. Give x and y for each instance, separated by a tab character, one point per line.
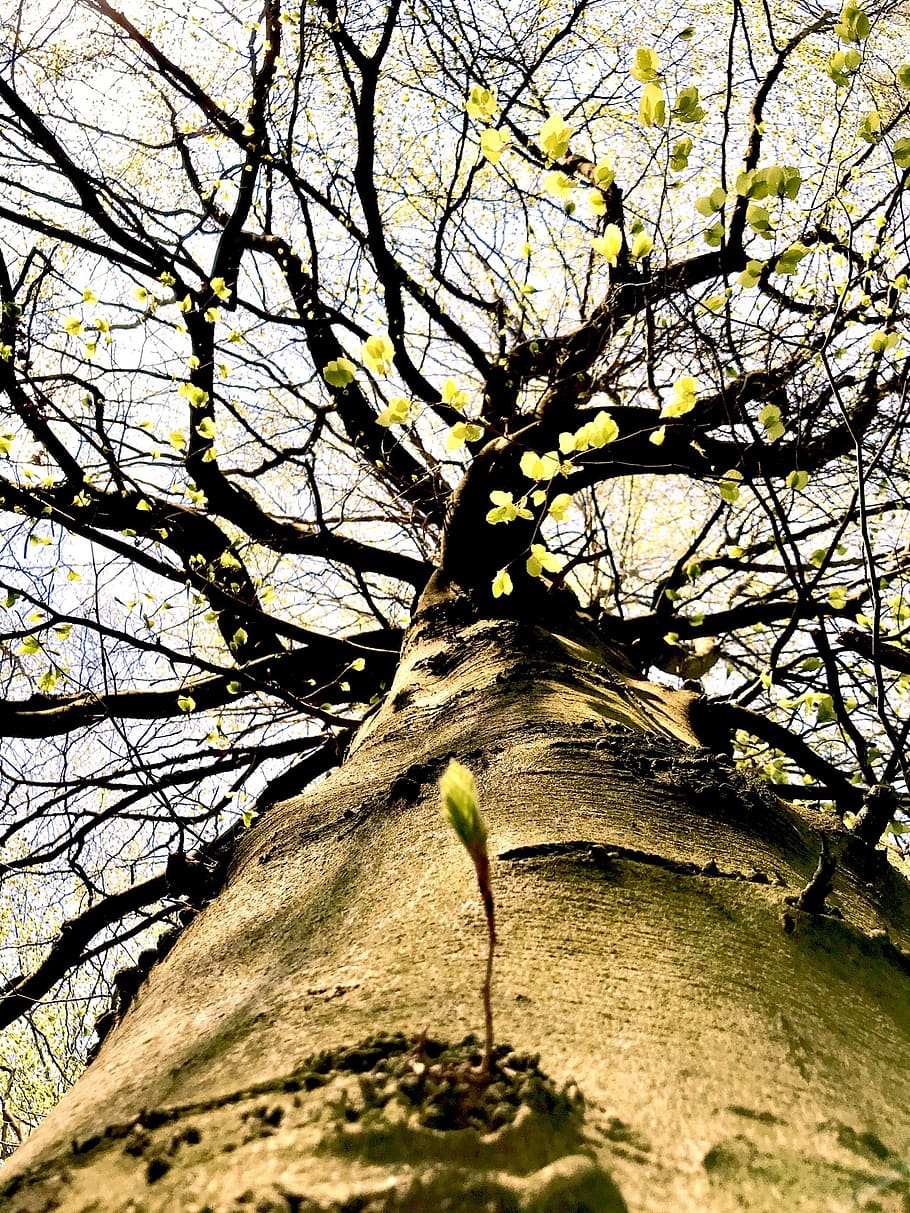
597	333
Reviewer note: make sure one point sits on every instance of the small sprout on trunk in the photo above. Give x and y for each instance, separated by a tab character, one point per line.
461	808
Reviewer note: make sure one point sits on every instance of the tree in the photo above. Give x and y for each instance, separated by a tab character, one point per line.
390	385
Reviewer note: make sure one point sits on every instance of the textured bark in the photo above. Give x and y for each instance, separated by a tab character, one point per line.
733	1051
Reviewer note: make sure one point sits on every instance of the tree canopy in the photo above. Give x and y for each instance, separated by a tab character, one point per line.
300	304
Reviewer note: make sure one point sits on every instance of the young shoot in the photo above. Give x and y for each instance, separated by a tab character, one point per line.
461	808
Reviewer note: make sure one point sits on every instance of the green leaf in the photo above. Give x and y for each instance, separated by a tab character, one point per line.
679	156
339	372
729	486
686	108
901	153
646	66
751	274
853	25
461	807
797	481
186	703
760	221
29	646
788	260
770	418
714	235
881	341
207	428
870	128
711	203
842	64
824	709
48	680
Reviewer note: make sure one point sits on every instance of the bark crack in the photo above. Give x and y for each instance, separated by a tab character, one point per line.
605	855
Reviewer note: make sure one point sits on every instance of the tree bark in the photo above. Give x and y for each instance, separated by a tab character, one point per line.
733	1051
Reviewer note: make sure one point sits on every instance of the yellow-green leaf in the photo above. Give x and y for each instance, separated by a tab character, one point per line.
554	137
559	506
797	481
882	340
683	399
646	65
453	395
604	175
461	807
641	246
770	418
541	560
870	127
399	411
788	260
751	274
492	144
505	508
377	354
502	584
729	486
481	103
558	184
540	467
652	109
687	106
339	372
709	204
609	244
462	432
853	25
679	155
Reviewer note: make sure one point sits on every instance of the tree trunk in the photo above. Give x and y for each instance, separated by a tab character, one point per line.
733	1051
